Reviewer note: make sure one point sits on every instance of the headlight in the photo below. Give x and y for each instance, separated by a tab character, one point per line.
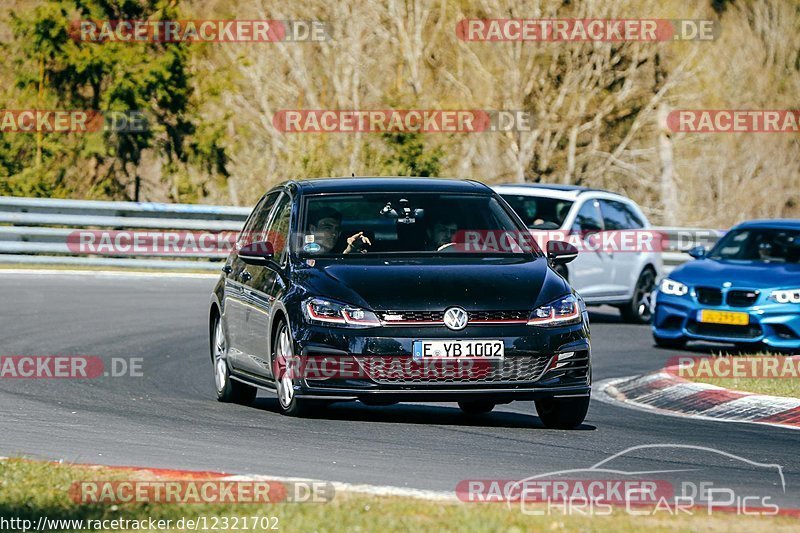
565	310
326	312
675	288
786	296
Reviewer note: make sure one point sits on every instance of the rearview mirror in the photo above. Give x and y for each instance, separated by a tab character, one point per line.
560	252
257	253
697	252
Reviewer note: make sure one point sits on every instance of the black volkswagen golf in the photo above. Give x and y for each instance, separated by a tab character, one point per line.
386	290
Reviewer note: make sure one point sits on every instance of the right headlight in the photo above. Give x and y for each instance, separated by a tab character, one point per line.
327	312
565	310
675	288
786	296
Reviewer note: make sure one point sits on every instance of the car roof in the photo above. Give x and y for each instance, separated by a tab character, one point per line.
775	223
389	184
551	190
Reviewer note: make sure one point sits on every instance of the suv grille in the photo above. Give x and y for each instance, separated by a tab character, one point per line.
742	298
709	296
407	371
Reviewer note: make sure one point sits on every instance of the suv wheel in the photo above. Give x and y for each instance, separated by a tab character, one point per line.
637	311
283	353
228	390
562	413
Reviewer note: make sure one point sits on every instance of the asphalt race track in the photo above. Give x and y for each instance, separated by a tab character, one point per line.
169	417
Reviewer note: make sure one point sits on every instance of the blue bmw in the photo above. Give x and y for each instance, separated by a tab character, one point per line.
746	291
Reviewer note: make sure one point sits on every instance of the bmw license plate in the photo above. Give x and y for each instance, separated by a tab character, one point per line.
455	348
732	318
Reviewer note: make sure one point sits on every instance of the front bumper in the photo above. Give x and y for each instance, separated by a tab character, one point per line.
530	369
775	325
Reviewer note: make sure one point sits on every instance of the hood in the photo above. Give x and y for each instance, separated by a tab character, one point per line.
745	274
430	284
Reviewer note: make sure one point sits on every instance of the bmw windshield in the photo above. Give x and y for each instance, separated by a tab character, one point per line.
766	245
410	223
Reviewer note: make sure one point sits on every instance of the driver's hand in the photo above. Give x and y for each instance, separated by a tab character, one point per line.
357	243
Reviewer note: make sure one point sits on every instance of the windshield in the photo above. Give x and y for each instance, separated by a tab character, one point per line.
415	223
759	244
539	212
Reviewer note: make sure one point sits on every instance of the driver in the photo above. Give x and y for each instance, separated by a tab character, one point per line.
326	225
441	234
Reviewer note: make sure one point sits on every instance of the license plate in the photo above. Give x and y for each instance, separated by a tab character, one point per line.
450	349
732	318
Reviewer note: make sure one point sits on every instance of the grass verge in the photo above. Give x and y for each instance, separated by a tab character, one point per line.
30	490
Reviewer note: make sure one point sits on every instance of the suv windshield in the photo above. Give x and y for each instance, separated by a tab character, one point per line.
415	223
539	212
759	244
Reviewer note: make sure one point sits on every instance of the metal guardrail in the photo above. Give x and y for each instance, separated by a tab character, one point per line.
42	231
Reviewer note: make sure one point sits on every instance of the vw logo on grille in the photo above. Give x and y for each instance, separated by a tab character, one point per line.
455	318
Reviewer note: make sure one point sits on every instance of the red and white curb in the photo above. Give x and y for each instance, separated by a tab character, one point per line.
352	488
666	393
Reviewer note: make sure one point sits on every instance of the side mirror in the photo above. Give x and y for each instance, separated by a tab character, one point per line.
560	252
697	252
257	253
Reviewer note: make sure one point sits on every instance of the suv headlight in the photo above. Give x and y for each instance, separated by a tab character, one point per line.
786	296
565	310
675	288
320	311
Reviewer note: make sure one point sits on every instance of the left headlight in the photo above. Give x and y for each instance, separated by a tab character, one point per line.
566	310
786	296
320	311
675	288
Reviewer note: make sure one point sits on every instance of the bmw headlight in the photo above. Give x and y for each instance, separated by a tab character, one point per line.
566	310
320	311
675	288
786	296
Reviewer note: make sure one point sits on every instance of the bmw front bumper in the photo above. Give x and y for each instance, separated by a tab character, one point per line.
773	324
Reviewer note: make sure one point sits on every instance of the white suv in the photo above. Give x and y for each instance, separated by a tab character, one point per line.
600	274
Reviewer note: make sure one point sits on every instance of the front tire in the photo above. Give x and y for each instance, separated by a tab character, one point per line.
289	403
228	390
562	413
476	407
637	311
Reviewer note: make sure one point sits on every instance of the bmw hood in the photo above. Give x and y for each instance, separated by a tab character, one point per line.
430	284
743	274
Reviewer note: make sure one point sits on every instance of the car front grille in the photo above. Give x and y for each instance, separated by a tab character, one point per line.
737	298
411	318
405	370
708	295
750	331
